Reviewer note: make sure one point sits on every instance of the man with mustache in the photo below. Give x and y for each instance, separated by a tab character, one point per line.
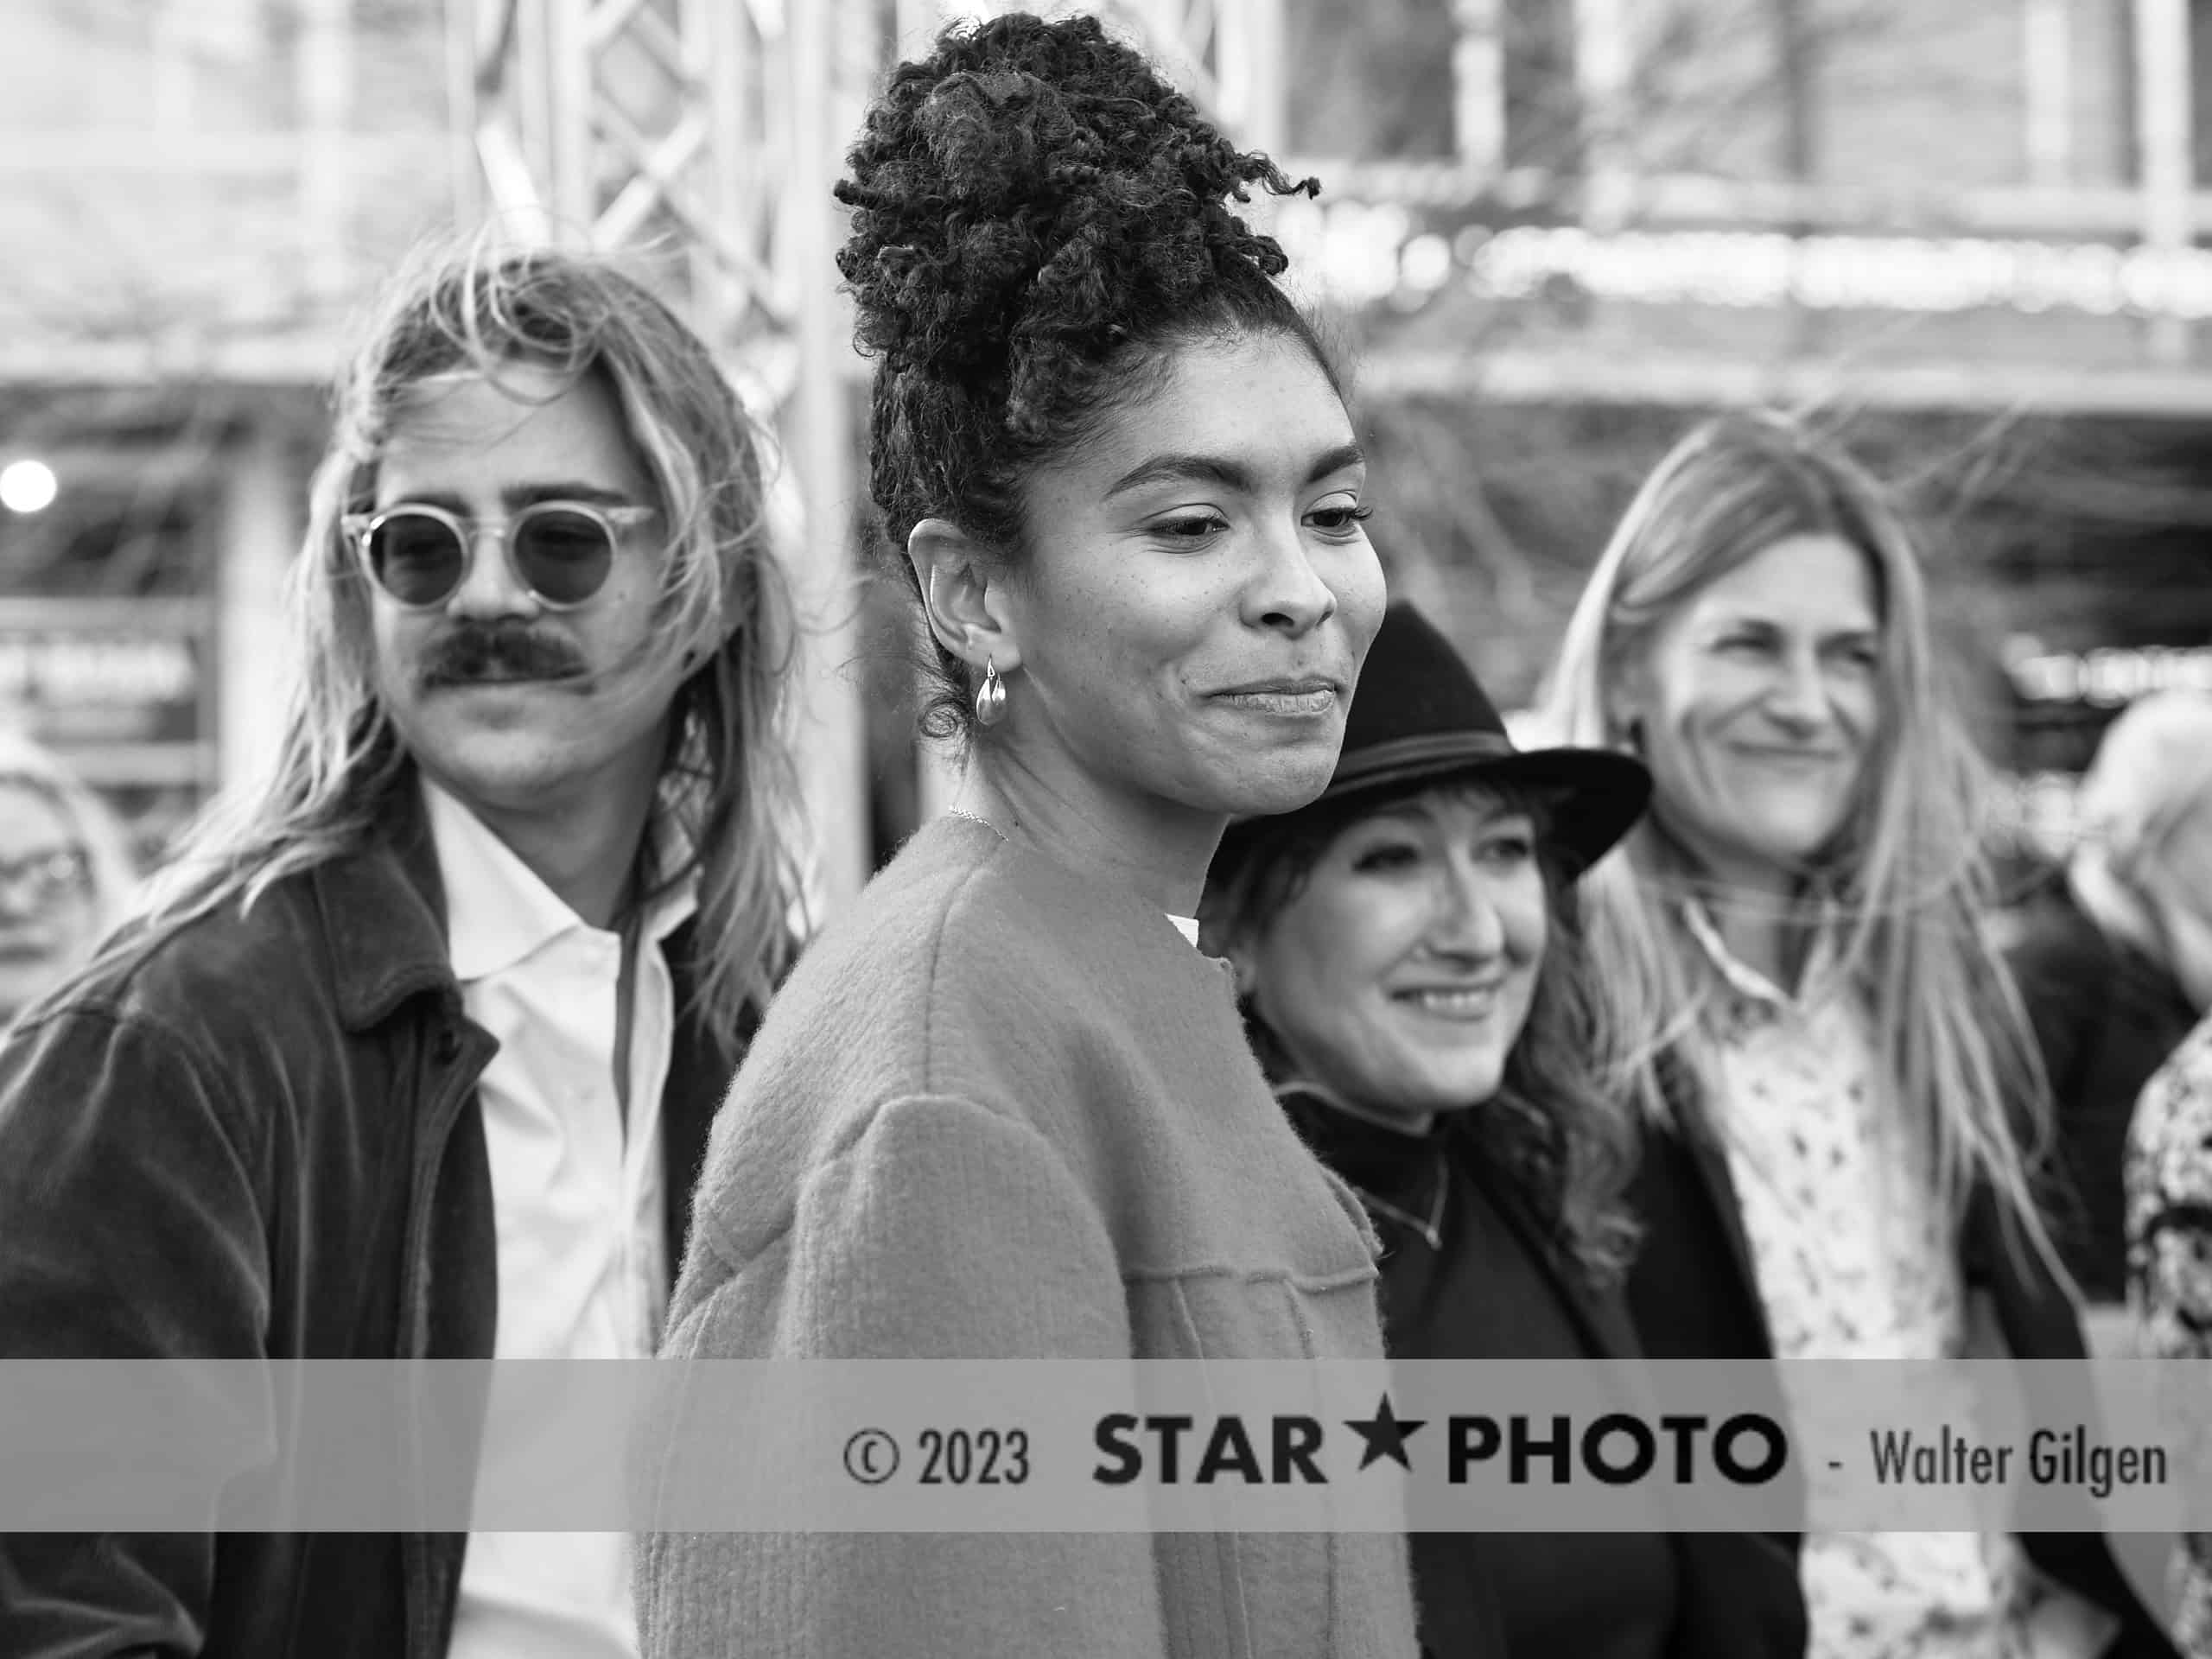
414	1054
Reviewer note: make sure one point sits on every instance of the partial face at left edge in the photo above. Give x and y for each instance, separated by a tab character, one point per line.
44	931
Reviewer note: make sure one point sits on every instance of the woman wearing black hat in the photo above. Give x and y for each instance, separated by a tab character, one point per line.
1407	956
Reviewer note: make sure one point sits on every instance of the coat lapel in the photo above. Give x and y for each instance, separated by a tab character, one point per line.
1708	1164
698	1077
1602	1323
1739	1595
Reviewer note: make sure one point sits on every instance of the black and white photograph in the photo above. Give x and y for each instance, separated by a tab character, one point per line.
1137	829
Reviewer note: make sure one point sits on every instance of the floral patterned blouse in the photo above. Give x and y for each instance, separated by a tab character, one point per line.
2169	1176
1855	1260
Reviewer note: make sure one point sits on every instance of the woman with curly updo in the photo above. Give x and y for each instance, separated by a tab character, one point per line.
1003	1108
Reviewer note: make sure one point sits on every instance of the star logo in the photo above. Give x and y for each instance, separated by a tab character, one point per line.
1386	1435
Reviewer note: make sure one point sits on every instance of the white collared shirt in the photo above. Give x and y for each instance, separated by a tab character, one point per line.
578	1197
1855	1259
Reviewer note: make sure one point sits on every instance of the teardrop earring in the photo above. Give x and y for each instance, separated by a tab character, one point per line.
990	696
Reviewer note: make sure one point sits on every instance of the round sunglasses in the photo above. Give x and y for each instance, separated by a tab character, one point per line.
562	552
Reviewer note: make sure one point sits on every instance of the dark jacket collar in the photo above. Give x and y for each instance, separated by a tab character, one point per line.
1600	1319
383	910
1399	1166
1403	1169
1708	1163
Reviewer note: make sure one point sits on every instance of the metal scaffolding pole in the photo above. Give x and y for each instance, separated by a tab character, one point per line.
2166	130
2047	90
833	747
1604	67
325	85
1478	86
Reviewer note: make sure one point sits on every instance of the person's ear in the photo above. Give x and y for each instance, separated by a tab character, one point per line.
1242	973
1624	719
2123	856
963	595
1625	690
2143	854
1236	951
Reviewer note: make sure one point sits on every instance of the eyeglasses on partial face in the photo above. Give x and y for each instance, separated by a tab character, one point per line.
40	882
562	552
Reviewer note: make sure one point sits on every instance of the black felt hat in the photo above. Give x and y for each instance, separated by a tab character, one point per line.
1420	715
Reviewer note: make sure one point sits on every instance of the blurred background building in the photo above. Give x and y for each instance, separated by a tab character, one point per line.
1557	232
1967	234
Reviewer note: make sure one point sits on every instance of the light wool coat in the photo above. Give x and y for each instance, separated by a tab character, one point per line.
1003	1111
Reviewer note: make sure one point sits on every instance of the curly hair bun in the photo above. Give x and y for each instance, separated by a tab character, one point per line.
1032	195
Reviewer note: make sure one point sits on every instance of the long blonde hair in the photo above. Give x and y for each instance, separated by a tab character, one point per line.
728	781
1908	873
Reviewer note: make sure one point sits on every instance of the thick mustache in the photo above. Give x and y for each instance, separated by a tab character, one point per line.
471	651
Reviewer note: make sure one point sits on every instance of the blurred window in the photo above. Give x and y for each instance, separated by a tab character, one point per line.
1543	109
2125	22
2200	88
1369	80
130	518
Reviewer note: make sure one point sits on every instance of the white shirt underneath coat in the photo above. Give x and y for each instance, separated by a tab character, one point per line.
578	1198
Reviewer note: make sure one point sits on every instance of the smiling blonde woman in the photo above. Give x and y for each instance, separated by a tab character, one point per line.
1837	1085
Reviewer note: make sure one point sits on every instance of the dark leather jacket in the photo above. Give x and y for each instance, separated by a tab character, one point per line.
262	1138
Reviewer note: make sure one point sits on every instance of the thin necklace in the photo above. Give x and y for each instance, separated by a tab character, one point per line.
975	818
1432	1230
